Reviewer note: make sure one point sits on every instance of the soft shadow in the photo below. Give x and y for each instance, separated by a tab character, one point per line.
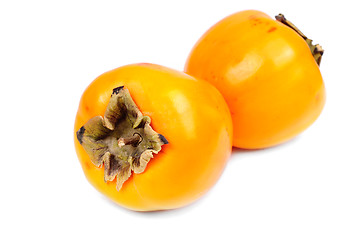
240	151
236	150
157	213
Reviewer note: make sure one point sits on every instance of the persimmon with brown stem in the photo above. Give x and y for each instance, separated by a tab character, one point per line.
268	72
152	138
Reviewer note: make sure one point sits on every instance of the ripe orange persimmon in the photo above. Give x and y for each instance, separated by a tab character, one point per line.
268	73
134	112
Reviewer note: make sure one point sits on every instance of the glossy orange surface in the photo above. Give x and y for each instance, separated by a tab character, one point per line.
266	73
190	113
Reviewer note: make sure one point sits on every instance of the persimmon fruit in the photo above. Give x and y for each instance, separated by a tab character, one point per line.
152	138
267	71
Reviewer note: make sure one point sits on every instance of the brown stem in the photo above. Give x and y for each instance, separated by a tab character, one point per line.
133	140
317	50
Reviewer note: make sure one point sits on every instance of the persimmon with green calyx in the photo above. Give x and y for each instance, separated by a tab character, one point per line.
152	138
268	72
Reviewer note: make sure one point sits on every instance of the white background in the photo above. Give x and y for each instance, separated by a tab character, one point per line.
50	51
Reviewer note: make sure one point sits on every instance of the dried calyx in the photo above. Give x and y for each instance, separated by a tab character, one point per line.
123	140
317	50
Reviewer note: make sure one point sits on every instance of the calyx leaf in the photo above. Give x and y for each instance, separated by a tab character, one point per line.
122	141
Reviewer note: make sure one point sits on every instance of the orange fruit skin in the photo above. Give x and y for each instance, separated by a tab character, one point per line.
190	113
266	73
